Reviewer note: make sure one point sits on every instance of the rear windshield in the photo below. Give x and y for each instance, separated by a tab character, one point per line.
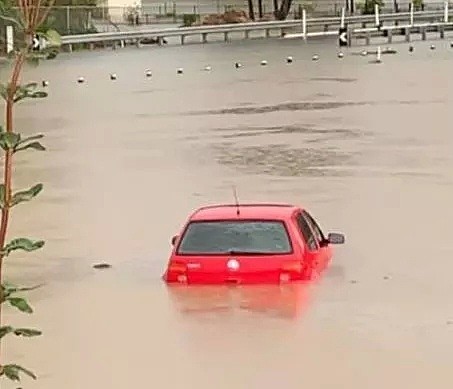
235	237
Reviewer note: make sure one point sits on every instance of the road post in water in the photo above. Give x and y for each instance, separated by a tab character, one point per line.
343	31
304	24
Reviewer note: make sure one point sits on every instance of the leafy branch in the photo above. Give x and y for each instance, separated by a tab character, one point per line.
27	21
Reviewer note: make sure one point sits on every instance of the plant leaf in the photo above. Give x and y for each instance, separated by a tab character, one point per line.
22	244
9	19
26	332
26	195
28	91
30	85
20	303
29	138
2	196
53	39
9	140
38	95
5	330
12	372
33	145
9	289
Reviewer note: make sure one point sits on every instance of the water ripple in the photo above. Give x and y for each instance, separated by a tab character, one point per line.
284	161
300	106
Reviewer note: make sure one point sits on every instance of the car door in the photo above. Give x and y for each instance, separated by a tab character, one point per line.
312	248
325	251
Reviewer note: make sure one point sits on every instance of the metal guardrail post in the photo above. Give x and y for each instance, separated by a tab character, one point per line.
411	13
304	24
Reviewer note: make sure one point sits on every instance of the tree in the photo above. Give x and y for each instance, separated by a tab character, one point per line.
27	18
282	12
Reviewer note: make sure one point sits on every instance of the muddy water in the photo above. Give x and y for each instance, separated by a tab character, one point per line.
367	148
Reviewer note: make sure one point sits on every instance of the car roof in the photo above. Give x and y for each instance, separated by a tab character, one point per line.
265	211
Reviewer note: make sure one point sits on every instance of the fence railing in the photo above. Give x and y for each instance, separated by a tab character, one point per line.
70	20
430	18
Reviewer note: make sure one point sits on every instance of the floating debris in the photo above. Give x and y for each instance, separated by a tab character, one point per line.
102	266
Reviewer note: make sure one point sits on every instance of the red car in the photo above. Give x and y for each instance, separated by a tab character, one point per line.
249	244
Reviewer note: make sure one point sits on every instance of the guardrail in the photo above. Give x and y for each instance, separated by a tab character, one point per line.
203	31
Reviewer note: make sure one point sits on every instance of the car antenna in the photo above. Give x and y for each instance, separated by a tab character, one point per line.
236	200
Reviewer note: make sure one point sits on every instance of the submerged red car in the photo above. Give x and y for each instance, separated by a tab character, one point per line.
249	244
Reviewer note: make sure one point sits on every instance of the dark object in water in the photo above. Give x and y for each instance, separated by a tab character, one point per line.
52	54
411	48
152	41
102	266
388	50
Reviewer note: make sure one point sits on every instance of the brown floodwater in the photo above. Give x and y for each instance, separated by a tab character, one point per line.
367	148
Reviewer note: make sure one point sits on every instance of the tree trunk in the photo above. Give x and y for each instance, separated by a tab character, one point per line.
260	8
396	7
251	10
284	9
276	9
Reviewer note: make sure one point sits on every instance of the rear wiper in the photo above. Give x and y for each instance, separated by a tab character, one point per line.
242	252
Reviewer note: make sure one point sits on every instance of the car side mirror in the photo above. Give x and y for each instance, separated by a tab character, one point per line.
335	238
173	240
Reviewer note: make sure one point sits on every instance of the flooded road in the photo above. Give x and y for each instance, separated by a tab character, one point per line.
365	147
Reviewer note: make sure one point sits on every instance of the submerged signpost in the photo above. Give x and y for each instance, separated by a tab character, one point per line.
343	31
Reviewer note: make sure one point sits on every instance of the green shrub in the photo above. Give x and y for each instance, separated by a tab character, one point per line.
189	19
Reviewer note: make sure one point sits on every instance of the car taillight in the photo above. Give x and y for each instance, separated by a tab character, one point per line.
292	267
291	270
177	271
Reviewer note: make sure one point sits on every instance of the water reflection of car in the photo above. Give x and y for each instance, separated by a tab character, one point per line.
285	301
249	244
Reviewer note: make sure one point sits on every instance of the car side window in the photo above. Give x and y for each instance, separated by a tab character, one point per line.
306	232
314	226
